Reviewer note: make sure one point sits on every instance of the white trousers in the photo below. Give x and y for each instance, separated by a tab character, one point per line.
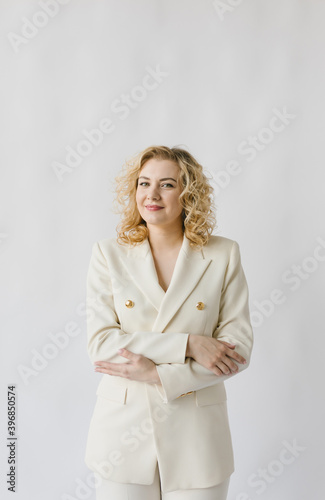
110	490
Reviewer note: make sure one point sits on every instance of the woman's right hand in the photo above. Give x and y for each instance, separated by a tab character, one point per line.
215	355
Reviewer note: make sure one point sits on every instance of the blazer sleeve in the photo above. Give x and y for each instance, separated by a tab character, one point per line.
104	333
233	326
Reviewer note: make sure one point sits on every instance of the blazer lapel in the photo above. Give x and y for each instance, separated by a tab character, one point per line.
189	268
139	263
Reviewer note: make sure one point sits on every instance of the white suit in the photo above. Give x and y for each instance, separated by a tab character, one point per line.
182	424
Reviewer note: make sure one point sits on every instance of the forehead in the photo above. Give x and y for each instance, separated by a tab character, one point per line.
156	168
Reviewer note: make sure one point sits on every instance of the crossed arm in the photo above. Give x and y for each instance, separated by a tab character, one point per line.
217	356
198	361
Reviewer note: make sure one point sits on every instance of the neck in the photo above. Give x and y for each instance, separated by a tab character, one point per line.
164	240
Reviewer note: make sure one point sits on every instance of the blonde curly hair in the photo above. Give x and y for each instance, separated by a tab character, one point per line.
196	198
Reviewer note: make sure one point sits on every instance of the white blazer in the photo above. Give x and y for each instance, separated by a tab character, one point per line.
183	424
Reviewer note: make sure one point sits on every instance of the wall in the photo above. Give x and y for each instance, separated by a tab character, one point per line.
240	84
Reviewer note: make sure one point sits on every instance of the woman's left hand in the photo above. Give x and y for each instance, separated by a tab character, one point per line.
138	368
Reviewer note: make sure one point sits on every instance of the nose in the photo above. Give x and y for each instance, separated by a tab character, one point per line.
153	193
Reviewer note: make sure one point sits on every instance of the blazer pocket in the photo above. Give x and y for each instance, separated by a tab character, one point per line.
112	392
211	395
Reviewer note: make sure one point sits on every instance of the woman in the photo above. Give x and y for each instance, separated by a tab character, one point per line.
167	324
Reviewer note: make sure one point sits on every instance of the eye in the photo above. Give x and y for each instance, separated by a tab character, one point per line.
141	183
168	184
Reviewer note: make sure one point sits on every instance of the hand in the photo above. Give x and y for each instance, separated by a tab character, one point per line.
138	368
215	355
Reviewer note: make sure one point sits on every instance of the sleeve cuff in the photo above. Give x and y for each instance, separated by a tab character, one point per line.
160	388
165	394
162	393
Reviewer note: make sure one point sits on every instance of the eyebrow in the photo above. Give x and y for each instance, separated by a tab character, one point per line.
163	179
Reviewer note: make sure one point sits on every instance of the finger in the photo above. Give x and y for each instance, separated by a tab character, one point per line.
126	353
216	371
231	346
231	365
102	369
107	365
223	368
234	355
102	363
116	369
225	359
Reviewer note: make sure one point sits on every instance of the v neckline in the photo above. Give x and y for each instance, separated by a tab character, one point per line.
173	273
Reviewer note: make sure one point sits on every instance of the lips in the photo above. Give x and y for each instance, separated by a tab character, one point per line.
153	207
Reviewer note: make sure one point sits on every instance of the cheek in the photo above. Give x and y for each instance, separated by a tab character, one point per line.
137	198
175	204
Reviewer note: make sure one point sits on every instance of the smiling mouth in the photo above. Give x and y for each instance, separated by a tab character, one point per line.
153	207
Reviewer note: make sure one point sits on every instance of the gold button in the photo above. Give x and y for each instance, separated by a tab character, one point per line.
129	303
200	306
186	393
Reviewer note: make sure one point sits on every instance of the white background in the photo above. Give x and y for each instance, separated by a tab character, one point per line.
226	70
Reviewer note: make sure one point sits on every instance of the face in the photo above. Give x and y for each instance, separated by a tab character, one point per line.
157	194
